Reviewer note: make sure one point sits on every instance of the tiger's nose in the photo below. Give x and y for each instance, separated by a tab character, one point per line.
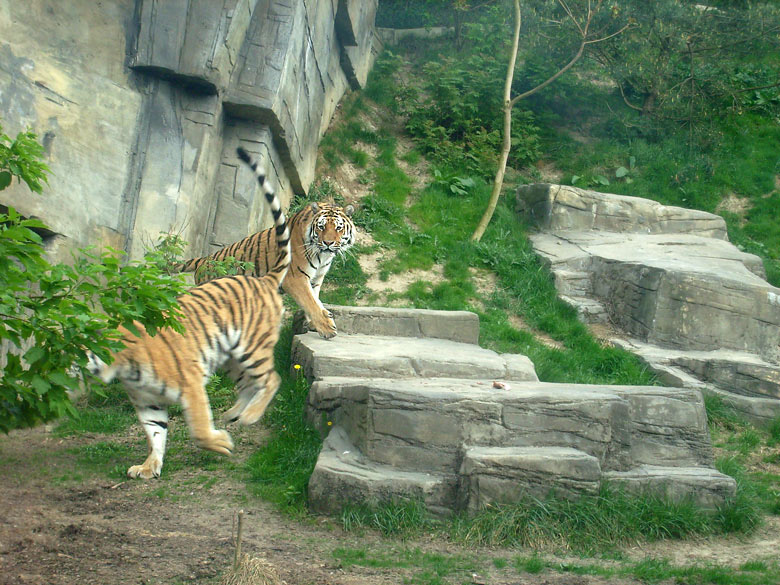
328	244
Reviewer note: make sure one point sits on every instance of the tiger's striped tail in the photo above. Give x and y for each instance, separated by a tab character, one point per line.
279	270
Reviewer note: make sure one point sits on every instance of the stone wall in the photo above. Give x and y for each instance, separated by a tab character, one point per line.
141	104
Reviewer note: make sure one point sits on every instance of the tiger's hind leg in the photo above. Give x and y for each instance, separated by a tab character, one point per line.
154	419
268	385
246	385
197	413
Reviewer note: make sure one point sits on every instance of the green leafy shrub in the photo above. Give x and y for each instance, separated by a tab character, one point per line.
51	314
457	121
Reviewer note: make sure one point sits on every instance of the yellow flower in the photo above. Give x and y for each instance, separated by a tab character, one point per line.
330	423
297	366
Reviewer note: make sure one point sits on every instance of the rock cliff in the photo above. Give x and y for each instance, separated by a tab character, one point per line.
141	104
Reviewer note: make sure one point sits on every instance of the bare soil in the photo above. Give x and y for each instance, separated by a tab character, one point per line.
57	528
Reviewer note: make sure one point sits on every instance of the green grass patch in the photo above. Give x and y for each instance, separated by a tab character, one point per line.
405	518
588	525
346	281
280	471
653	570
106	458
105	409
425	568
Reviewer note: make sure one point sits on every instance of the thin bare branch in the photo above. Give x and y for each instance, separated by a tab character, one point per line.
606	38
625	99
758	87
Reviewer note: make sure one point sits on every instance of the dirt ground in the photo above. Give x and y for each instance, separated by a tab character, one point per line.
56	531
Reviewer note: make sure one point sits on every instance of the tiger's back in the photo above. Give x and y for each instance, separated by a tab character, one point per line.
231	322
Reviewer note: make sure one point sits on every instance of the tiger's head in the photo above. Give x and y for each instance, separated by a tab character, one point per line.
331	229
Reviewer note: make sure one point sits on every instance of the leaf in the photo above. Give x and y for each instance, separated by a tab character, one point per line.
34	354
575	178
621	172
41	386
602	180
631	162
5	179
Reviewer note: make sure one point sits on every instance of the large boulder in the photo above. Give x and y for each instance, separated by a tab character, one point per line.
666	278
459	427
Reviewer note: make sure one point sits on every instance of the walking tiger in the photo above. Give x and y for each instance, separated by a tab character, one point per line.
231	322
318	232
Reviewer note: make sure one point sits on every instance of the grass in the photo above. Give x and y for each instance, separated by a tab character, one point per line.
280	471
427	568
660	570
402	519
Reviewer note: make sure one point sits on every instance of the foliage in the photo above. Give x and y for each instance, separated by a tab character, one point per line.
21	158
456	116
685	63
51	314
212	268
414	13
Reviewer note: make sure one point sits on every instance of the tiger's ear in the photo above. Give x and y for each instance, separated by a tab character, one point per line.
349	210
314	206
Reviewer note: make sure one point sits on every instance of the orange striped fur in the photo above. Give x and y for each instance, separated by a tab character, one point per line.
231	323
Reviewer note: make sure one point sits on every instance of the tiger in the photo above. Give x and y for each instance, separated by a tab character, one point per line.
318	233
232	323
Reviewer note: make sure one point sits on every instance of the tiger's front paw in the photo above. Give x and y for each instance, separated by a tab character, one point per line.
326	326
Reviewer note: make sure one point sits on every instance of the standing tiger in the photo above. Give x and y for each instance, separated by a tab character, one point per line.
230	322
318	232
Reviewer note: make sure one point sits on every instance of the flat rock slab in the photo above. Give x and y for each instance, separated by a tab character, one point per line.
564	208
501	444
666	277
405	357
462	326
683	292
423	423
748	383
707	487
506	475
411	411
343	476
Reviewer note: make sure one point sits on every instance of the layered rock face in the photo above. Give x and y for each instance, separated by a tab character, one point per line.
141	104
696	308
413	408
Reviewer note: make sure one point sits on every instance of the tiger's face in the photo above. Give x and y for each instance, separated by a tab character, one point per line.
331	229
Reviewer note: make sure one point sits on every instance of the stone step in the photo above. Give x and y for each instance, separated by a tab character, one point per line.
418	414
342	475
423	424
588	310
705	486
505	475
495	475
462	326
746	381
375	356
573	283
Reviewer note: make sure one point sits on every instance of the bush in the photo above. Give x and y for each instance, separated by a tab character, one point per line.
51	314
